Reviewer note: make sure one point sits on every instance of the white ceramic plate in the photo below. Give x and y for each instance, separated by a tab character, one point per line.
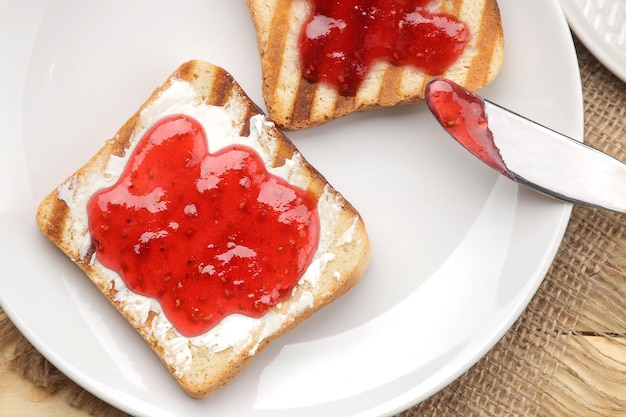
601	26
457	250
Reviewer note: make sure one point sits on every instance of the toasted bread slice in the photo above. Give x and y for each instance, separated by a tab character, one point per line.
295	103
208	361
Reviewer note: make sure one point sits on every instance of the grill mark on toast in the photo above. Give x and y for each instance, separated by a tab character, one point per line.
222	87
185	72
478	72
390	86
344	105
120	143
303	103
251	110
276	41
452	7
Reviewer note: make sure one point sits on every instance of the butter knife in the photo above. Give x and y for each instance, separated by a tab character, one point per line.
527	152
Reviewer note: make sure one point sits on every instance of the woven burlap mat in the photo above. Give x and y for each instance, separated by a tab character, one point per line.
583	294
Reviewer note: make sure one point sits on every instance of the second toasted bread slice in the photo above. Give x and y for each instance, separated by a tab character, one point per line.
295	103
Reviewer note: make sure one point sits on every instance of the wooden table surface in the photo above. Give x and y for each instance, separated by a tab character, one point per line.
18	397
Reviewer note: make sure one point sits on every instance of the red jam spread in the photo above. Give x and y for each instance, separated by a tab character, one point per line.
341	40
462	114
206	234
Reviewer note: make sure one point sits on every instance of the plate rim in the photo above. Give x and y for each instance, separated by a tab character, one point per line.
565	215
612	58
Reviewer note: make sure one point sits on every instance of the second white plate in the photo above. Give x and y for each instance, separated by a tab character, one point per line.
601	26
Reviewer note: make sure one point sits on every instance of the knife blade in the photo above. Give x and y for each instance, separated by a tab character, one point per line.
527	152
